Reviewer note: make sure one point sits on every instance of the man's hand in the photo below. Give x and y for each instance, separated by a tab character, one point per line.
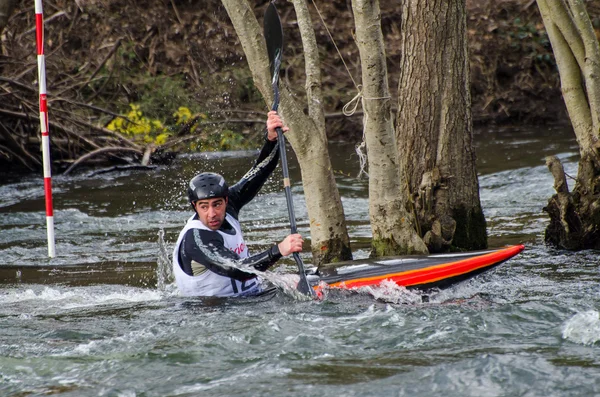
291	244
274	121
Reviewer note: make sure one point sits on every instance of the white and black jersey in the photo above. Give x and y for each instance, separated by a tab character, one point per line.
208	262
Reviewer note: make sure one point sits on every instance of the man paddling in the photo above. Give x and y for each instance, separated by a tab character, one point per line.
210	249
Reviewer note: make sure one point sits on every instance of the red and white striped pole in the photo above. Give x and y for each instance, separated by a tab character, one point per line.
39	25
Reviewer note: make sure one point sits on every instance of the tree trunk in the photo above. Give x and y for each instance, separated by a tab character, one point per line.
575	216
393	231
329	235
314	95
434	127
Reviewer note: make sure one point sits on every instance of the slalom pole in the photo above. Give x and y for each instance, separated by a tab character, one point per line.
39	27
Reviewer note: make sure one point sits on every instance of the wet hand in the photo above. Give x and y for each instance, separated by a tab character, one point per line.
291	244
274	121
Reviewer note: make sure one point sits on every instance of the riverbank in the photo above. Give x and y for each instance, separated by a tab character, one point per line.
177	70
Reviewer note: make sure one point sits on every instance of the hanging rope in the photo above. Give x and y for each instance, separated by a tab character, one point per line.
361	149
335	45
350	108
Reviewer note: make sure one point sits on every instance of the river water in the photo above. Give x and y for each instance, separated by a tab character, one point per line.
99	319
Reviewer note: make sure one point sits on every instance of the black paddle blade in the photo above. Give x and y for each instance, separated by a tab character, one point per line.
305	289
274	38
303	285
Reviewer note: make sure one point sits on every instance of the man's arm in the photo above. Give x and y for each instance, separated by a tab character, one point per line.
246	189
203	250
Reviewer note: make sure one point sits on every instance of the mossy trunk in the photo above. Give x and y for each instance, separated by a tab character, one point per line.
574	216
470	222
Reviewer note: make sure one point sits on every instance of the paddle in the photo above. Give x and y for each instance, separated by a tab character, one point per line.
274	38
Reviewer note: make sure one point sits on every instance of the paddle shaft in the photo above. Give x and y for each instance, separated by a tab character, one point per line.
288	198
286	177
274	38
303	285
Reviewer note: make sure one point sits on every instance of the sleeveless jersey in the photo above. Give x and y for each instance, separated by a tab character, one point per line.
210	283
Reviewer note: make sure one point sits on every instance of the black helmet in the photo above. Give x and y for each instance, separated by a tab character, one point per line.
207	185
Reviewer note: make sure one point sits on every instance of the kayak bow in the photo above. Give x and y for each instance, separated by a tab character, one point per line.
415	272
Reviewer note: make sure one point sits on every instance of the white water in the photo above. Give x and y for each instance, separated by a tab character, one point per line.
103	318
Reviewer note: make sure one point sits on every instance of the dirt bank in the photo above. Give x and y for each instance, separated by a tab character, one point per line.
103	55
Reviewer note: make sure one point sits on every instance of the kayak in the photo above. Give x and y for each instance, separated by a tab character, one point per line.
421	272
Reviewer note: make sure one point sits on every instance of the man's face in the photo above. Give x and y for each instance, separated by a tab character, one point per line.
211	211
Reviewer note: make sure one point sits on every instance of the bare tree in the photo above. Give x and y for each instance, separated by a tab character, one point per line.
393	231
575	216
429	168
329	236
434	125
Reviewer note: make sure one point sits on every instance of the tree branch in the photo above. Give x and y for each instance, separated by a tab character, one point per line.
561	17
312	67
570	80
96	152
591	70
556	169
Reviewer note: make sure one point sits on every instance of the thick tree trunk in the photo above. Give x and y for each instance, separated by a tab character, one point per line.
393	231
575	216
329	235
434	127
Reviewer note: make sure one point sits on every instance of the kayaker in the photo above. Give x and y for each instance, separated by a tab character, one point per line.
210	249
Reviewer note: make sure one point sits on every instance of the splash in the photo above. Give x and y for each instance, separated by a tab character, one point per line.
390	292
164	269
583	328
75	297
287	283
